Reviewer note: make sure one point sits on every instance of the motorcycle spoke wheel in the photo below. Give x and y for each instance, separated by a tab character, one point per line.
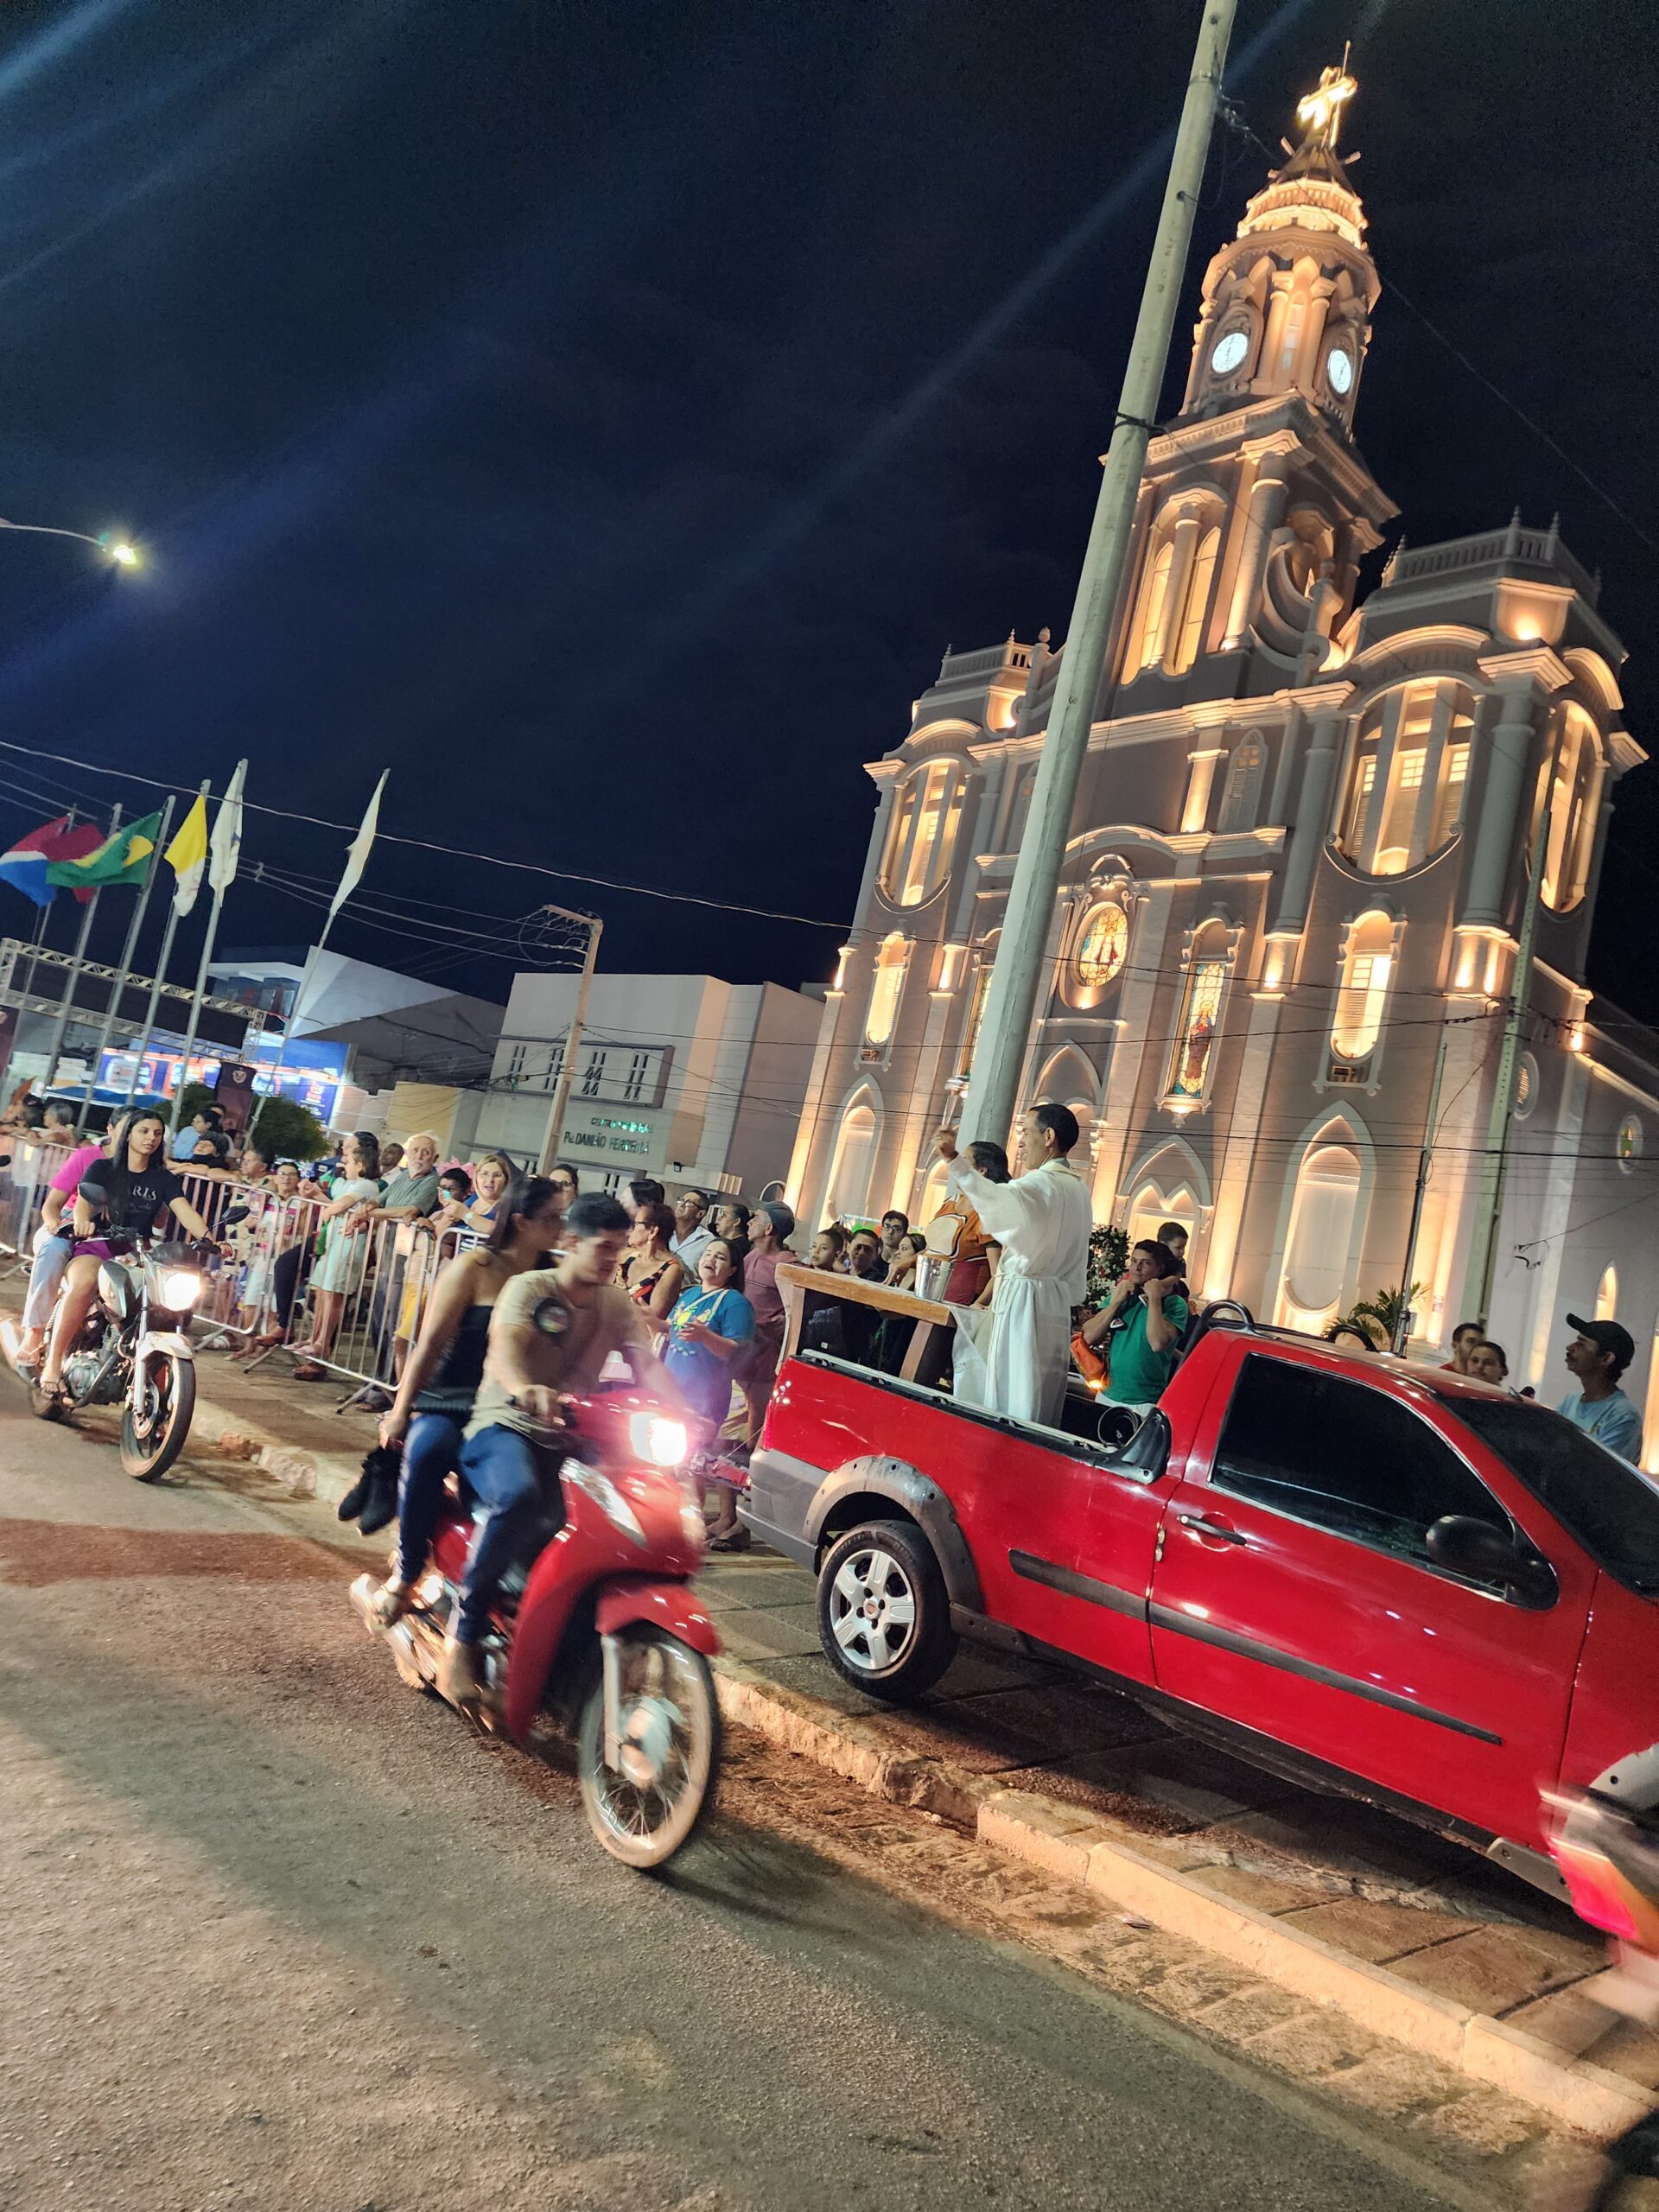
643	1814
152	1438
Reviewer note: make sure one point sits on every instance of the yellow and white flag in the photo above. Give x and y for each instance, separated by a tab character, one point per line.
187	856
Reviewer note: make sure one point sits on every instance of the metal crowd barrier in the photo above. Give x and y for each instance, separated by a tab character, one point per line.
285	1270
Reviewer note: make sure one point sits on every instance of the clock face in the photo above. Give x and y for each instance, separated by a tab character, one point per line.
1339	372
1229	352
1105	941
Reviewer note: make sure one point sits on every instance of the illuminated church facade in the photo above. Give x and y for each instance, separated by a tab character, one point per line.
1300	863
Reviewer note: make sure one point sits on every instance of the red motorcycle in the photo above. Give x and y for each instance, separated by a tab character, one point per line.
597	1625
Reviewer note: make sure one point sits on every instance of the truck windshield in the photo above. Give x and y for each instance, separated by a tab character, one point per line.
1609	1505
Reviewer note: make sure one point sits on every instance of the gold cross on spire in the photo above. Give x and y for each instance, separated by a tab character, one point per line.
1320	113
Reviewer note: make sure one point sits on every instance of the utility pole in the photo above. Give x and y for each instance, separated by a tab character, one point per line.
556	1112
998	1059
60	1027
1425	1161
1489	1190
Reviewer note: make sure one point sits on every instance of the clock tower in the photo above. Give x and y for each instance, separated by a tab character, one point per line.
1287	305
1255	508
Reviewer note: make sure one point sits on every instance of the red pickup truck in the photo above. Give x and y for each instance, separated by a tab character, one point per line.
1374	1577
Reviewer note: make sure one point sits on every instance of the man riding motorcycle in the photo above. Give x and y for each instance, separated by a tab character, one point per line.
122	1196
552	1331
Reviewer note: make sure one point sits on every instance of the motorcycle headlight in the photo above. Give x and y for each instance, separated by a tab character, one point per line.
662	1443
606	1496
179	1287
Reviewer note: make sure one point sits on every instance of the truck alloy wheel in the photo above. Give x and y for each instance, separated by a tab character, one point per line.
883	1618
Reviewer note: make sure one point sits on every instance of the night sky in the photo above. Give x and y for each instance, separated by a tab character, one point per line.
605	416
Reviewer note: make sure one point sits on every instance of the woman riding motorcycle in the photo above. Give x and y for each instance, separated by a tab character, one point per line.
123	1195
440	1380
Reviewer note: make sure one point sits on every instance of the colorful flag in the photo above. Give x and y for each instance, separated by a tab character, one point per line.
25	866
123	857
357	853
226	841
187	856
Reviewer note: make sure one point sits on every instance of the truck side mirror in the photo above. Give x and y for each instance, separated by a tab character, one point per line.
1475	1549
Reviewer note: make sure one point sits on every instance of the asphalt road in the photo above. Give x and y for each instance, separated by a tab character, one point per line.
280	1934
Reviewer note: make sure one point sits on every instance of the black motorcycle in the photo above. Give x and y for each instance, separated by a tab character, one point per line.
133	1351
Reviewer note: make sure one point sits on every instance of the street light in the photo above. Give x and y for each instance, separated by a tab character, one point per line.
121	550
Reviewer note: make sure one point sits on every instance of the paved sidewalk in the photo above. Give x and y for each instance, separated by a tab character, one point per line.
1418	1937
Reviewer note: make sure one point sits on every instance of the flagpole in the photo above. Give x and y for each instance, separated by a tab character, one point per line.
232	797
166	953
141	907
357	859
61	1028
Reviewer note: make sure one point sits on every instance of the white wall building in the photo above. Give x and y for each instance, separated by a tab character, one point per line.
679	1077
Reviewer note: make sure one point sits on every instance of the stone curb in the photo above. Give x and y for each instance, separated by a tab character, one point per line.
1081	1849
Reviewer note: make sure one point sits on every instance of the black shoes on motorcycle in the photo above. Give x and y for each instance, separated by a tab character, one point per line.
372	1501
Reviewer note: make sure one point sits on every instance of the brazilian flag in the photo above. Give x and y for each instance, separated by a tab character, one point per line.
123	858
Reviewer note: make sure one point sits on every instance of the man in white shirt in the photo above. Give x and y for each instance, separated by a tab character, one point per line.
691	1235
1042	1222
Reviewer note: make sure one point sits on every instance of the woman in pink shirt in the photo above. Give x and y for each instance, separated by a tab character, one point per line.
53	1248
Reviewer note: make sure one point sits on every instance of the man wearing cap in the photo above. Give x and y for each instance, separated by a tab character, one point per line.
1596	1358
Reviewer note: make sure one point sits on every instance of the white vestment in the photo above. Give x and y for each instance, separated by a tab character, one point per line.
1042	1221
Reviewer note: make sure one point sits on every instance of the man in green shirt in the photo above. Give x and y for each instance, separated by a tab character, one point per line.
1144	1321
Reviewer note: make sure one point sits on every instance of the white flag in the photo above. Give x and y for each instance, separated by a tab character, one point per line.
357	853
226	841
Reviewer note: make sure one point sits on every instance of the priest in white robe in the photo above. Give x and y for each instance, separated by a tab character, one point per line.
1042	1221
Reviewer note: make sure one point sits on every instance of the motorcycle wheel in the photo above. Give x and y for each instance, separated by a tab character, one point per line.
670	1730
153	1439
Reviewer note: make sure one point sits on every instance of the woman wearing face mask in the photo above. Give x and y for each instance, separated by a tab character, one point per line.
441	1375
127	1194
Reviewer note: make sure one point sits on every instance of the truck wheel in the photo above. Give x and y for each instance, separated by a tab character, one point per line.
884	1619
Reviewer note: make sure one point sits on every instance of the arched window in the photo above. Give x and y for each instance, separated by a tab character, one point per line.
925	816
885	986
1189	632
971	1028
1321	1231
1569	784
1362	995
849	1171
1607	1295
1241	796
1407	777
1148	645
1097	953
1149	1210
1192	1059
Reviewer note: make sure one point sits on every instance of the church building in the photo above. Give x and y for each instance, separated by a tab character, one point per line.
1300	866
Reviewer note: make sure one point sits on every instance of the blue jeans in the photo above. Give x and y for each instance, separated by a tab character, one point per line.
431	1451
499	1467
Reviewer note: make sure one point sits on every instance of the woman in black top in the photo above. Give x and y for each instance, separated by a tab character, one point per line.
445	1366
128	1193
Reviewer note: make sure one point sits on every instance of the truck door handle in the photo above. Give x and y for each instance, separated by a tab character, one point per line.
1215	1531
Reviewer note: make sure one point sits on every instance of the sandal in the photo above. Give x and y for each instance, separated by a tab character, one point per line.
309	1371
391	1601
734	1540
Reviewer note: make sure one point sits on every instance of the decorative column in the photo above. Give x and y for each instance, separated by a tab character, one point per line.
1387	744
1263	517
1308	832
1221	1259
812	1109
1499	835
1199	784
1428	797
